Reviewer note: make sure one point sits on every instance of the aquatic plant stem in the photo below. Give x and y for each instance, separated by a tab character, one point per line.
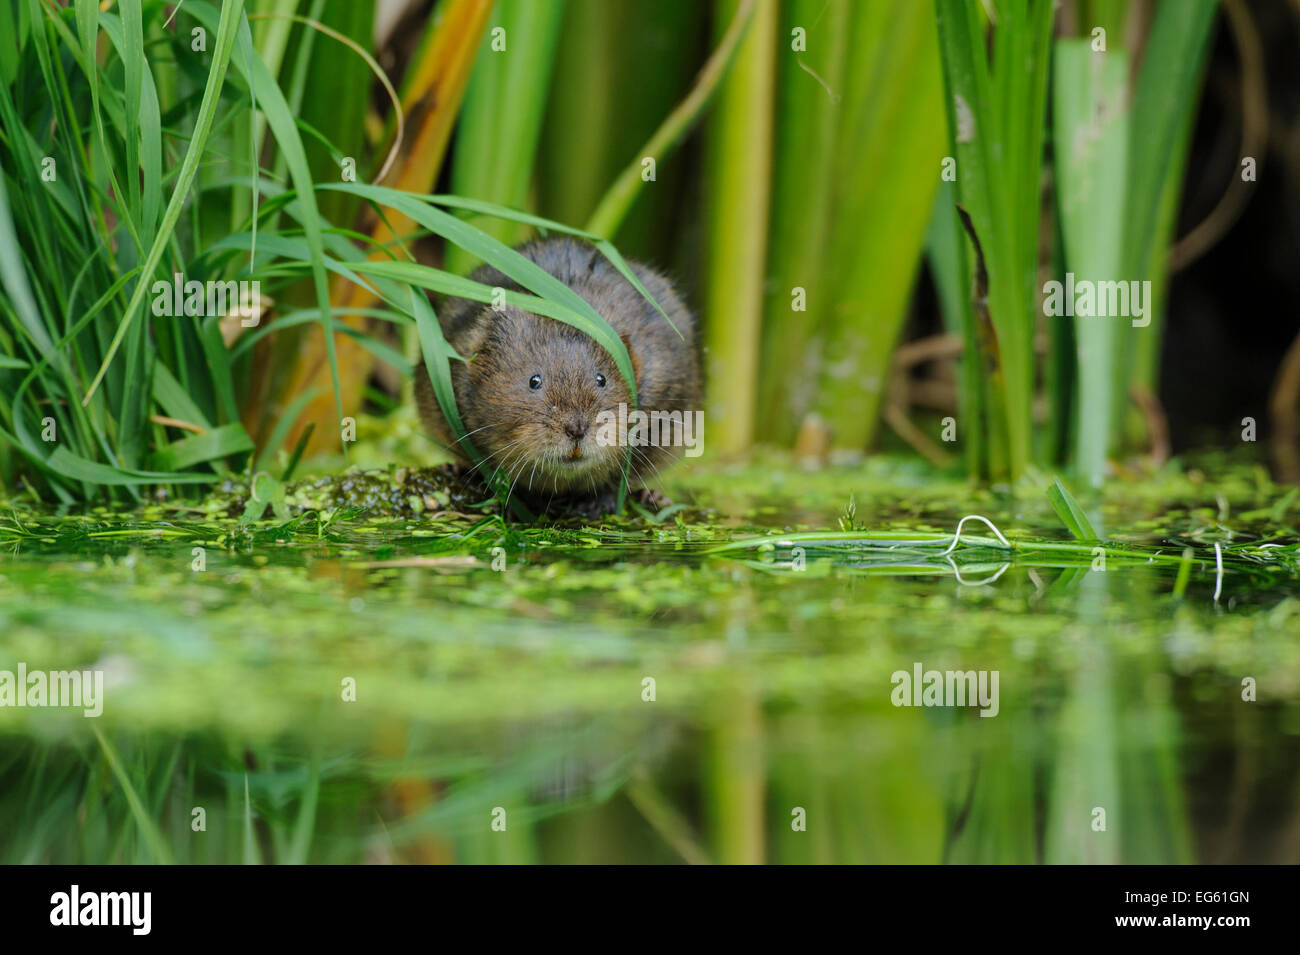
618	199
738	176
809	100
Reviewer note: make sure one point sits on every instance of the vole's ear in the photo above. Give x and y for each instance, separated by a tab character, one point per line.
471	344
636	361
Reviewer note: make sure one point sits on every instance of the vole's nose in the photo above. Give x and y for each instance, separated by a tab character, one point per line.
576	428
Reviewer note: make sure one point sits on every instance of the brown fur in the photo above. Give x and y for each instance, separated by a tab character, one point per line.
522	431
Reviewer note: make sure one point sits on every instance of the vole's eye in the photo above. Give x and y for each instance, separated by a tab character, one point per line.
535	382
600	381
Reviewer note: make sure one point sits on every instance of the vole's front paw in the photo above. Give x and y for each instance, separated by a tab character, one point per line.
591	507
651	499
596	507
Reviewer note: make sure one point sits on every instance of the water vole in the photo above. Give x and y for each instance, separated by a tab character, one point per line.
536	396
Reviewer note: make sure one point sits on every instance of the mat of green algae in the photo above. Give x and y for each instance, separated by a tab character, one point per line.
524	687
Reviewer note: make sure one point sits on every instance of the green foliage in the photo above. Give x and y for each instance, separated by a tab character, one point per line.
886	154
737	178
1118	171
1160	128
1091	138
622	71
501	119
996	117
1070	513
140	399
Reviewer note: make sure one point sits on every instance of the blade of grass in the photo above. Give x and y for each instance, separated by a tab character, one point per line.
431	99
1160	129
995	120
152	837
225	31
508	262
296	456
438	355
1070	512
220	442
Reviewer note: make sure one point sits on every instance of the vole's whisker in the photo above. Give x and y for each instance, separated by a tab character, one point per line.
654	470
508	465
495	424
493	455
512	484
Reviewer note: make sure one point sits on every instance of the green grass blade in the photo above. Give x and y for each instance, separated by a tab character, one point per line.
148	829
218	443
438	355
617	201
14	275
605	246
805	190
231	18
78	468
996	133
579	312
1162	115
281	433
1070	512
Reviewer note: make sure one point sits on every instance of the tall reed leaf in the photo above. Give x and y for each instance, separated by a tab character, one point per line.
888	145
1160	124
738	175
1091	127
502	117
996	126
809	101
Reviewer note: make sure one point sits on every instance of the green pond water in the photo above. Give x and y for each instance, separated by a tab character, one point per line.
502	715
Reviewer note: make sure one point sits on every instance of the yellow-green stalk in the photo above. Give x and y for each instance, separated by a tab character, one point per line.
738	178
887	168
811	56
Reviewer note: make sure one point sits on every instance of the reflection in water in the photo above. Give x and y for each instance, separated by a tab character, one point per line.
642	699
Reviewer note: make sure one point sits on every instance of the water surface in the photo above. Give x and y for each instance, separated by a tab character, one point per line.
518	697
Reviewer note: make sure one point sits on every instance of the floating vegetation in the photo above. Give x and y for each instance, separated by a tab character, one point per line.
508	660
